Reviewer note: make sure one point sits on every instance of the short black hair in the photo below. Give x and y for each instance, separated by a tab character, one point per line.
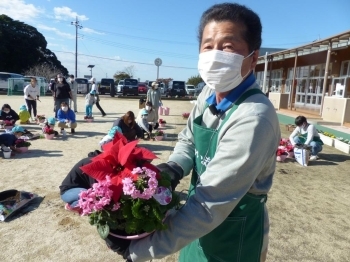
234	13
6	106
299	120
71	76
149	103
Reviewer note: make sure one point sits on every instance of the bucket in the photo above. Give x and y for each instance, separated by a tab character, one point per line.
7	154
49	136
160	110
166	110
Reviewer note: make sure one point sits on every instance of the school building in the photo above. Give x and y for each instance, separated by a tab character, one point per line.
313	78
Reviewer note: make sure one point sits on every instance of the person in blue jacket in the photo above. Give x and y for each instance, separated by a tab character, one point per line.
8	140
66	118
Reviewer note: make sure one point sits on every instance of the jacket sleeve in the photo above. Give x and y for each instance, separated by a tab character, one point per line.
293	134
71	116
60	115
14	115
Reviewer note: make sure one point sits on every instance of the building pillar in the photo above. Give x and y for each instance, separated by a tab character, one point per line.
291	94
325	80
265	73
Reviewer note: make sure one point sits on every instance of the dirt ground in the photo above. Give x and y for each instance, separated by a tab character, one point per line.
308	206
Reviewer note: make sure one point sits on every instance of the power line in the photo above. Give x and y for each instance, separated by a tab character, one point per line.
126	61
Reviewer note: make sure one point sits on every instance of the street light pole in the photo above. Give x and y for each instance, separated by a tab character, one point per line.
91	67
77	26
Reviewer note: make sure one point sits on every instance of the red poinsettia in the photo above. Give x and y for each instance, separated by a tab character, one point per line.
118	161
8	123
280	152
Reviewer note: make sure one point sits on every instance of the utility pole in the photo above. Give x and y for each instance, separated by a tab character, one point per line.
77	26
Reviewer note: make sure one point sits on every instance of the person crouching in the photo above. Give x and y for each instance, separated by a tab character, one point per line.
24	116
66	118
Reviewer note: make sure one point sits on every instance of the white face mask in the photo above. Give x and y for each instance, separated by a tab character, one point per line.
220	70
60	79
64	108
147	107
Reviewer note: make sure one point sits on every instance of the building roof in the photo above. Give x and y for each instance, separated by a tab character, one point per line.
337	42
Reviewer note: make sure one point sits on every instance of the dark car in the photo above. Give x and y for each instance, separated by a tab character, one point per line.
107	86
177	89
130	87
143	88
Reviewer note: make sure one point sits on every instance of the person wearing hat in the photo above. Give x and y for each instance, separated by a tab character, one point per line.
50	123
8	140
154	96
7	113
62	93
93	87
143	123
66	118
90	100
24	115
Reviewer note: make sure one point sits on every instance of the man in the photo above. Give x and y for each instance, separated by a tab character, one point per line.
230	144
74	89
306	134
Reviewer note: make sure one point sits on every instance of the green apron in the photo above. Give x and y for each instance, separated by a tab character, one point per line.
240	236
303	137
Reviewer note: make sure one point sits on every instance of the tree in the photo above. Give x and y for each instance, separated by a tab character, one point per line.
194	80
130	70
119	75
23	47
43	70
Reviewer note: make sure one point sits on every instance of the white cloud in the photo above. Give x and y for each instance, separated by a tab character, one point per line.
19	10
65	13
91	31
56	31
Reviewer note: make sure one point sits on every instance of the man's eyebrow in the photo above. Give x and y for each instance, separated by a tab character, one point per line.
233	38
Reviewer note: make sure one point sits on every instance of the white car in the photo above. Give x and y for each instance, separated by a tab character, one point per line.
190	90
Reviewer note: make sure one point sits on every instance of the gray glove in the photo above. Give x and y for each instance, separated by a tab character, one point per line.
175	172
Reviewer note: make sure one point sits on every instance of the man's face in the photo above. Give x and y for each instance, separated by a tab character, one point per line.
228	37
18	134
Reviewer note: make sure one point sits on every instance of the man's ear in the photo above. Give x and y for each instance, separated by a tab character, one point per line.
255	59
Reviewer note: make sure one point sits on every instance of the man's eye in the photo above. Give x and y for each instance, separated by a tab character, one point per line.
228	47
207	47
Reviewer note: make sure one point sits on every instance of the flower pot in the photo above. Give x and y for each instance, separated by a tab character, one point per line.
8	128
158	138
161	125
7	154
49	136
344	147
327	140
160	111
166	110
290	154
89	120
23	149
281	158
132	237
39	121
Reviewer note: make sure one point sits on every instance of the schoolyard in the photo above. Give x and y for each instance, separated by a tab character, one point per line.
308	206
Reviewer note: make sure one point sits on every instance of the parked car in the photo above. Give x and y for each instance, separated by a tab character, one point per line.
176	88
107	86
130	87
120	87
17	83
143	88
199	88
190	89
83	85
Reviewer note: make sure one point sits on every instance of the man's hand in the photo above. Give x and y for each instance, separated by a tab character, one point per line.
174	171
118	245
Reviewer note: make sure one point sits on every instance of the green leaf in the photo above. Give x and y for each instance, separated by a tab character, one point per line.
103	230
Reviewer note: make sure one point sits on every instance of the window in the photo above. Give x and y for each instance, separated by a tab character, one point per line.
344	71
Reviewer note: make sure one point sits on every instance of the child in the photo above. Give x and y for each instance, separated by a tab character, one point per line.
8	114
66	118
306	134
49	123
8	140
143	123
89	102
109	137
24	115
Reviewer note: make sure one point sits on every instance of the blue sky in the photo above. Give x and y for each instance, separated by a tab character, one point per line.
118	34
